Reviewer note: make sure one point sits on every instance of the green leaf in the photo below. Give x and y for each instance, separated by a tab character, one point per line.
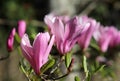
22	68
19	50
17	38
99	68
67	59
48	65
85	65
77	78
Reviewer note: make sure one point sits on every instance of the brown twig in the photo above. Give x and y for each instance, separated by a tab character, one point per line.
4	57
68	71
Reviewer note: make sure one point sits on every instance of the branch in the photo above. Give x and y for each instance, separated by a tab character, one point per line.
4	57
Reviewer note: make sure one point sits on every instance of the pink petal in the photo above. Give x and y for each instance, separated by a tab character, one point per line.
26	48
98	33
85	38
21	28
49	20
104	43
74	28
39	46
48	49
10	40
117	38
58	30
54	24
64	18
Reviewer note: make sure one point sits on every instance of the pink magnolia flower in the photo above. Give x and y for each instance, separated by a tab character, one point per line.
84	39
10	40
21	31
21	28
106	37
66	31
37	54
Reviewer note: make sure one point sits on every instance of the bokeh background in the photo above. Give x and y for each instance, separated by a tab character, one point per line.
107	12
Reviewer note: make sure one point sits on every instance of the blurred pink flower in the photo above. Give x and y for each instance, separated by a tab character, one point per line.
21	28
66	30
10	40
107	37
37	54
85	38
117	39
21	31
101	59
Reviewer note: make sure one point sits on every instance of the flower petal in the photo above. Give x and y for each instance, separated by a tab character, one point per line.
85	38
104	43
21	28
74	28
58	30
49	20
48	49
10	40
39	46
26	47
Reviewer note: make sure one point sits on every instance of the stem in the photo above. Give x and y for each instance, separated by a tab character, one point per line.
68	71
56	67
60	77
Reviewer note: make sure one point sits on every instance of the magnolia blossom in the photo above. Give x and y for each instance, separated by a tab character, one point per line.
66	30
107	37
21	31
10	40
37	54
21	28
84	39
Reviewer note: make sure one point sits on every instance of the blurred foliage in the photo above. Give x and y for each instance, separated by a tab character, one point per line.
107	12
25	9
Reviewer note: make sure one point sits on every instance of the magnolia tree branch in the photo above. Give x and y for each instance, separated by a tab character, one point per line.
4	57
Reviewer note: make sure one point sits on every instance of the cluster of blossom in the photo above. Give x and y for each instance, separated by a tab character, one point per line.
107	37
65	32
